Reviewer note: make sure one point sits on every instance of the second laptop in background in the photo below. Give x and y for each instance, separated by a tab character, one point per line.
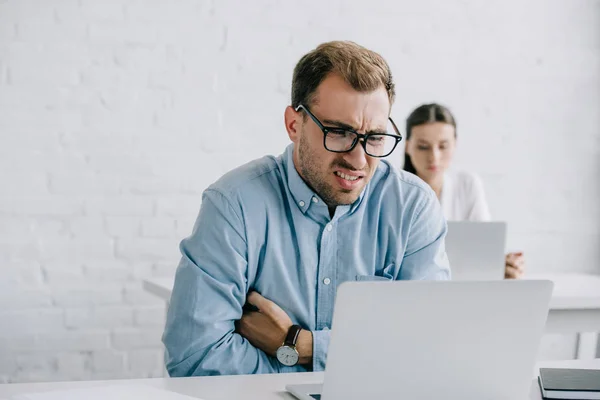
476	250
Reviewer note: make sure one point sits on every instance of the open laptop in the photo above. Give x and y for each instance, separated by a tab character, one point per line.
476	250
433	340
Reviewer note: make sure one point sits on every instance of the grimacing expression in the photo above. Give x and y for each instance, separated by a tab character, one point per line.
338	178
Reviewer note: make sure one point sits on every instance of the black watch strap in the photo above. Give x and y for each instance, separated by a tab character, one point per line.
292	336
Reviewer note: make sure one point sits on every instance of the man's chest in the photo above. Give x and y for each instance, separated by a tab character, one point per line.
301	255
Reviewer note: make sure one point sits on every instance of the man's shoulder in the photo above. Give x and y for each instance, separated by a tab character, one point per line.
248	175
395	179
400	197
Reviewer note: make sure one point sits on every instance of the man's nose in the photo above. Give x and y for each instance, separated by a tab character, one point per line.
357	157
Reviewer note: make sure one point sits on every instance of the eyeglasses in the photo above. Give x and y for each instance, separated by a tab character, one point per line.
343	140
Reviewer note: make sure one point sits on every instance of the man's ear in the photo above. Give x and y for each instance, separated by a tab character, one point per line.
293	123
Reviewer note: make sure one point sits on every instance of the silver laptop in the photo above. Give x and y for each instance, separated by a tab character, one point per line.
476	250
433	340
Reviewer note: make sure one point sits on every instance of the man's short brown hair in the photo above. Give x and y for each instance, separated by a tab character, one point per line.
363	69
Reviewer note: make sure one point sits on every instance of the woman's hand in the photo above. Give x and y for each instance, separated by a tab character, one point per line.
514	265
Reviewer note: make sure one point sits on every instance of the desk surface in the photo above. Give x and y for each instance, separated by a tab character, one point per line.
571	290
263	387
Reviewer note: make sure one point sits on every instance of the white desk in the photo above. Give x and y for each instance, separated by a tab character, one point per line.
247	387
575	306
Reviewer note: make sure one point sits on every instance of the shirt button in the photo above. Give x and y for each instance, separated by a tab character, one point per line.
301	204
327	281
315	200
329	227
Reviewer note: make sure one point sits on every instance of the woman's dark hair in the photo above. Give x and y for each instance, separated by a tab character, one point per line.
426	114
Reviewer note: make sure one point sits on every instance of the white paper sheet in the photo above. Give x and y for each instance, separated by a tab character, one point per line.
116	392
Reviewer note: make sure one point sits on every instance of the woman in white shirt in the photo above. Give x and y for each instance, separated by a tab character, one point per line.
430	144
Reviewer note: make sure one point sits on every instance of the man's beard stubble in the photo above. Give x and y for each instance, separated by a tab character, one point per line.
312	176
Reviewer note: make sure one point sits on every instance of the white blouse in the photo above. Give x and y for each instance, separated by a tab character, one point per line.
463	197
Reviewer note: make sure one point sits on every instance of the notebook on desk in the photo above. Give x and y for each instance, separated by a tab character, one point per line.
574	384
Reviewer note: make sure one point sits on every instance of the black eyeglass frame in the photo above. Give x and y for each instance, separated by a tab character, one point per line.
357	136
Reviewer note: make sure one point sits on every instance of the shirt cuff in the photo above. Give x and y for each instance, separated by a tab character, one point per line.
320	346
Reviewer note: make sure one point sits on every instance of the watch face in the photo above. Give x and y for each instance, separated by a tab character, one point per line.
287	355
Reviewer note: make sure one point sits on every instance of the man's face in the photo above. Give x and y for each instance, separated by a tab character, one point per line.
338	178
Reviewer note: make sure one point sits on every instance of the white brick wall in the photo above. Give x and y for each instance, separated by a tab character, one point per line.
115	115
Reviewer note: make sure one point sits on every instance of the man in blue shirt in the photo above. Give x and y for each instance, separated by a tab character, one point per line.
275	237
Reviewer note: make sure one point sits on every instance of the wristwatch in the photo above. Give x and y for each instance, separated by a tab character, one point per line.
287	353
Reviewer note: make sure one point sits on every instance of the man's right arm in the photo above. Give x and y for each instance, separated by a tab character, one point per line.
208	296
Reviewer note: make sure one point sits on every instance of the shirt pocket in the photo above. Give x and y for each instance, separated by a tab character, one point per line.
372	278
386	274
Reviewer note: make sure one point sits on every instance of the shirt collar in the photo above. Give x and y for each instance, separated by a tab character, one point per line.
303	195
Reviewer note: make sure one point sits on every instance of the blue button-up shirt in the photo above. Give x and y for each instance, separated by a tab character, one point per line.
261	228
